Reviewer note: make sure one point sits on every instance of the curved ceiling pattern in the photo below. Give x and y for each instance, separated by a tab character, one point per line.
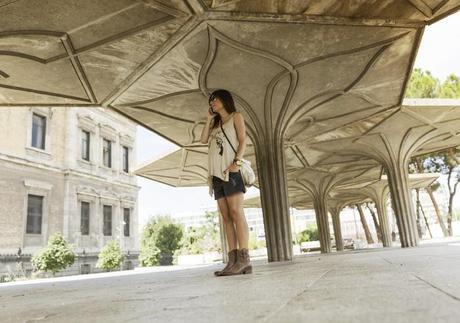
316	75
77	53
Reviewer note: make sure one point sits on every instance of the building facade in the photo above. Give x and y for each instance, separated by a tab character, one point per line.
67	170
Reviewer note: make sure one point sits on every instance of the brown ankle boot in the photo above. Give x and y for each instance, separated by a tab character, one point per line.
241	266
231	261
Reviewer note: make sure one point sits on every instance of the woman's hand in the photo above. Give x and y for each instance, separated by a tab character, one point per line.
210	115
233	168
204	139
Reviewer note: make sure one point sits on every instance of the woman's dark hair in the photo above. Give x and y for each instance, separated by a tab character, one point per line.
227	101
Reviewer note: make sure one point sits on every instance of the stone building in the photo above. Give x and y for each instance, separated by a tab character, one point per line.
67	170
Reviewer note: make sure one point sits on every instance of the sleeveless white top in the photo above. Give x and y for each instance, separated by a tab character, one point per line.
220	153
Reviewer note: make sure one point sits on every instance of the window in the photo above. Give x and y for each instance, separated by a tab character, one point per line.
107	220
84	220
85	144
34	214
125	159
126	220
107	153
38	131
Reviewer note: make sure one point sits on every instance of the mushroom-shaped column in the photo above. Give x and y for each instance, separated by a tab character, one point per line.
336	203
335	207
392	141
318	184
378	192
274	199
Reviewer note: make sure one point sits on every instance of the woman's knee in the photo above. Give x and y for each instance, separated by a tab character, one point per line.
224	214
226	218
235	213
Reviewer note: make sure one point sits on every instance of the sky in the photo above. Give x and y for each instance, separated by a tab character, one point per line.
439	52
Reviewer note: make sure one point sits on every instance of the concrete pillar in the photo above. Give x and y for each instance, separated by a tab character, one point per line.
402	203
322	220
318	186
335	213
274	200
378	192
380	204
318	183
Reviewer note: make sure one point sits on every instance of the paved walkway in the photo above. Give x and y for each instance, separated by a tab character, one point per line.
381	285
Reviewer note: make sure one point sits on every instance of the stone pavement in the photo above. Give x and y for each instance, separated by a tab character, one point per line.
380	285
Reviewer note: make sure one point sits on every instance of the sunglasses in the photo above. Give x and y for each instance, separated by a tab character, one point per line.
212	98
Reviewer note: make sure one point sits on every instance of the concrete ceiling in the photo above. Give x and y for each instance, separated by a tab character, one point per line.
122	52
416	128
290	64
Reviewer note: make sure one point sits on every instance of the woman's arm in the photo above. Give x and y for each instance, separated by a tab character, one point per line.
206	130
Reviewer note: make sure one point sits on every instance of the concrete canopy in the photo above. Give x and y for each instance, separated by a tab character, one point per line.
291	65
185	167
276	89
407	131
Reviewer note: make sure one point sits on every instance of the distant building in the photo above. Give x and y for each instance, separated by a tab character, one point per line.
67	170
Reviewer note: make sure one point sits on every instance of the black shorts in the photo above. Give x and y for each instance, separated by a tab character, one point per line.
234	185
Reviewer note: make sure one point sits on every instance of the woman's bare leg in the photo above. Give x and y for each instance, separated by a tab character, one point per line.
228	224
236	211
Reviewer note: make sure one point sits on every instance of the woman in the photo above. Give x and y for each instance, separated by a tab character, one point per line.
225	134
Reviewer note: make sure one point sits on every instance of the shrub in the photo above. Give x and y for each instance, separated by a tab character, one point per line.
110	257
309	234
160	239
150	254
56	256
169	237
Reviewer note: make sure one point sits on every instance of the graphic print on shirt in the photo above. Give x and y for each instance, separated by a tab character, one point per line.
220	145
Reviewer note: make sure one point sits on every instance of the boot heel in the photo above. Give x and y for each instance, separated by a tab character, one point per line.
248	270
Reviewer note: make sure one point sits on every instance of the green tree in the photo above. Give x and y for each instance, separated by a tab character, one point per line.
450	88
110	257
309	234
422	84
169	237
56	256
160	239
